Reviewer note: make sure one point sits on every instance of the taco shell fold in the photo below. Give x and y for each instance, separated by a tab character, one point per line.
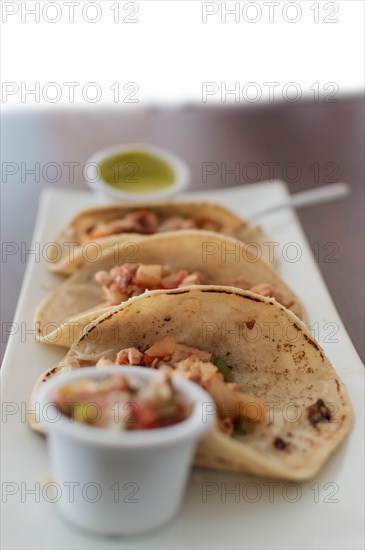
272	355
64	313
67	252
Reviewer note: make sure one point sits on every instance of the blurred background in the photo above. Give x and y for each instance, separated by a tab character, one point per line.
242	91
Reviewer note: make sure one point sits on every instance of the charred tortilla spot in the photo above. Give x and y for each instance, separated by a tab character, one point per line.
299	356
311	342
49	373
338	385
167	319
89	331
318	412
280	444
219	291
250	324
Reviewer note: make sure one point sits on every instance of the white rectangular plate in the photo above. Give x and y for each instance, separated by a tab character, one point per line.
220	510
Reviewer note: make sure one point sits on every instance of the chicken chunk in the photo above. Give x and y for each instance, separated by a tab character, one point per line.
129	356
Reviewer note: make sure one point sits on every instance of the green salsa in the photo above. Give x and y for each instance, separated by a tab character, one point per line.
137	172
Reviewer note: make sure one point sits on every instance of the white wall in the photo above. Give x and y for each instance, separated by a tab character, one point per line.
266	50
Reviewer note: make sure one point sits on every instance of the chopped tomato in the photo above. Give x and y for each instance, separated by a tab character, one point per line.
145	418
174	279
162	348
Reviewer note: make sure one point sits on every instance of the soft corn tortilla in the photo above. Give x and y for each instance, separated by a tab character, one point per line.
64	313
66	253
272	354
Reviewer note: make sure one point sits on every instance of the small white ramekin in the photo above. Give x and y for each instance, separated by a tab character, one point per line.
96	183
118	482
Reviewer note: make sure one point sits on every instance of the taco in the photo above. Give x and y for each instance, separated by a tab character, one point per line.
109	225
169	260
281	408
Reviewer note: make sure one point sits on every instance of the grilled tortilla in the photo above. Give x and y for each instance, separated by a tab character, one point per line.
109	225
271	355
77	301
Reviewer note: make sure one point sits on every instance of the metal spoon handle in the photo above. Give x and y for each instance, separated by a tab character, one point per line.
333	192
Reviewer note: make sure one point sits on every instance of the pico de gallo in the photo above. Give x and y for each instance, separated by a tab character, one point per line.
121	404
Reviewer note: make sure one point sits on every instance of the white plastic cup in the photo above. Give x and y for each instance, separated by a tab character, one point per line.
121	482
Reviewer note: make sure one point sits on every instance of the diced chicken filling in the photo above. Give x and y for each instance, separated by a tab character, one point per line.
117	403
146	222
202	368
127	280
